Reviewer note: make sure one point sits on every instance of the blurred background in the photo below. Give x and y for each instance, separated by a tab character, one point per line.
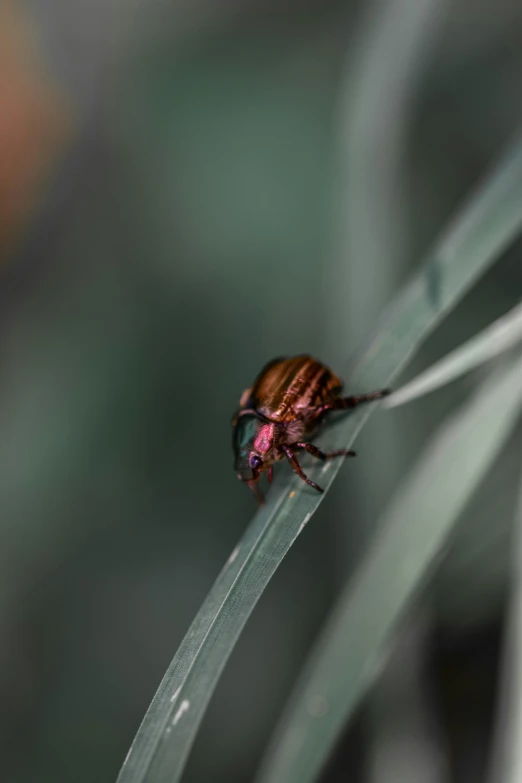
188	189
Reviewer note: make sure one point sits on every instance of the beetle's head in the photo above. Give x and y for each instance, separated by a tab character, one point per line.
248	465
253	441
249	461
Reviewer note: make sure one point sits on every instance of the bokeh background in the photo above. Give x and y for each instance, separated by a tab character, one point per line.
188	189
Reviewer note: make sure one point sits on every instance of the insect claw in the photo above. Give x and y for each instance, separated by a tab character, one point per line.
254	486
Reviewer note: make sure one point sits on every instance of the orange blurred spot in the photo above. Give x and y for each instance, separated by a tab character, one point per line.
33	123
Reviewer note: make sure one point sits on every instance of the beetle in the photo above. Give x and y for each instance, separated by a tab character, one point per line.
279	414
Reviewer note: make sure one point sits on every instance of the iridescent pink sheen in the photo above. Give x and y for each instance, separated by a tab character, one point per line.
264	439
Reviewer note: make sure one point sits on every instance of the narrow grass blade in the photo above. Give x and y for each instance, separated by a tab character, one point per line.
411	538
503	334
487	225
379	93
405	744
506	762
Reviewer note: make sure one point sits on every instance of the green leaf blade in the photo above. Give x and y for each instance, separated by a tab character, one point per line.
500	336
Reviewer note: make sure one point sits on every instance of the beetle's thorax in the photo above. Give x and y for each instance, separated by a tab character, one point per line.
264	440
271	436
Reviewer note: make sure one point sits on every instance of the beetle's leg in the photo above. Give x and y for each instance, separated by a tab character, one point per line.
254	486
270	473
244	398
346	403
315	452
296	467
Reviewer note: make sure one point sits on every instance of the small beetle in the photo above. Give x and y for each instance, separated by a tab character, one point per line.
284	408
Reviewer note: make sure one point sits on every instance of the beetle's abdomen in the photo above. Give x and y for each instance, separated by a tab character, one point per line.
286	388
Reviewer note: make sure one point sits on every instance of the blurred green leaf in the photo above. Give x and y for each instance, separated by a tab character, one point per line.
404	738
486	226
504	333
506	761
410	539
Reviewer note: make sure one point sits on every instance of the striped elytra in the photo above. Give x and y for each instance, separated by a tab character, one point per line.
287	387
